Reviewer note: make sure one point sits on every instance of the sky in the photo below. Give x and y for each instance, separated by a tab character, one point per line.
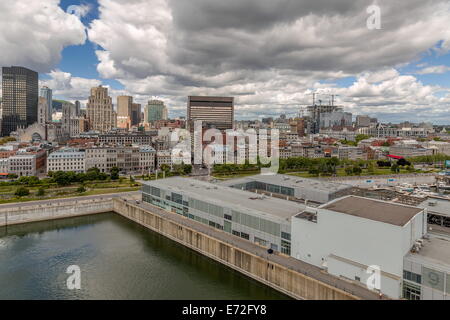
271	55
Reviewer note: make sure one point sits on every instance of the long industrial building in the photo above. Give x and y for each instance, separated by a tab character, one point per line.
291	187
257	218
349	237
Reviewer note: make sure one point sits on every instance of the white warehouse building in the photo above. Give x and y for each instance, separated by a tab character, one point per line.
291	187
351	234
259	219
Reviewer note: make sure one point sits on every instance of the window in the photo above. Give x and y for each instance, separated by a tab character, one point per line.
260	241
357	278
228	217
236	233
286	236
407	275
245	236
177	198
411	291
285	247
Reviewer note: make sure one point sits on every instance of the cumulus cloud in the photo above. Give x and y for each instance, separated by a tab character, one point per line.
394	97
434	69
270	54
35	32
71	88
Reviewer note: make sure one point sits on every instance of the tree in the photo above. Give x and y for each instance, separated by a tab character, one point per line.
41	192
22	192
61	178
357	170
313	170
361	137
81	189
349	171
395	168
93	174
165	167
402	162
187	169
114	173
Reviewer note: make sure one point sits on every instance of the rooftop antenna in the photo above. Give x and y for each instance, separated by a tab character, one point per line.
314	98
333	99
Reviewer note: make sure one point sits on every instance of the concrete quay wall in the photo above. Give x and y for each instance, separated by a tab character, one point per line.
279	277
24	213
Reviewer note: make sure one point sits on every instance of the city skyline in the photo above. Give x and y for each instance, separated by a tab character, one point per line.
165	58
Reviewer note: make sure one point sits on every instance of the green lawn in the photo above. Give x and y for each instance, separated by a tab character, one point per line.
57	192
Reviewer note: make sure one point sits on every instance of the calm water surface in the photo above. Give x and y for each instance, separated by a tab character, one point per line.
118	260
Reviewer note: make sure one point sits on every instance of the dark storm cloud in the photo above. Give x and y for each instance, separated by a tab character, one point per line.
254	15
268	52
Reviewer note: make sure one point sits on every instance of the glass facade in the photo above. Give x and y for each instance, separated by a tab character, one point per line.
250	227
256	185
411	291
20	98
411	276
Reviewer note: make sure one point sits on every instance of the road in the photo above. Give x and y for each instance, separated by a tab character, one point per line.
289	262
63	200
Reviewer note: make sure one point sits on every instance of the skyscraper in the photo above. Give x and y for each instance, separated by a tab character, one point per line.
100	111
77	108
20	98
215	112
46	93
135	114
124	112
155	110
124	106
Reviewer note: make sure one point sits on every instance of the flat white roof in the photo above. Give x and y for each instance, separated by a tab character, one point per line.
436	205
238	200
291	182
434	253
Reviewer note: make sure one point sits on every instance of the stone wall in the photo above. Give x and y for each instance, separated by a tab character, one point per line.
24	213
290	282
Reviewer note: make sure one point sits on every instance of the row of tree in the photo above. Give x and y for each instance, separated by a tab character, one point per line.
62	178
